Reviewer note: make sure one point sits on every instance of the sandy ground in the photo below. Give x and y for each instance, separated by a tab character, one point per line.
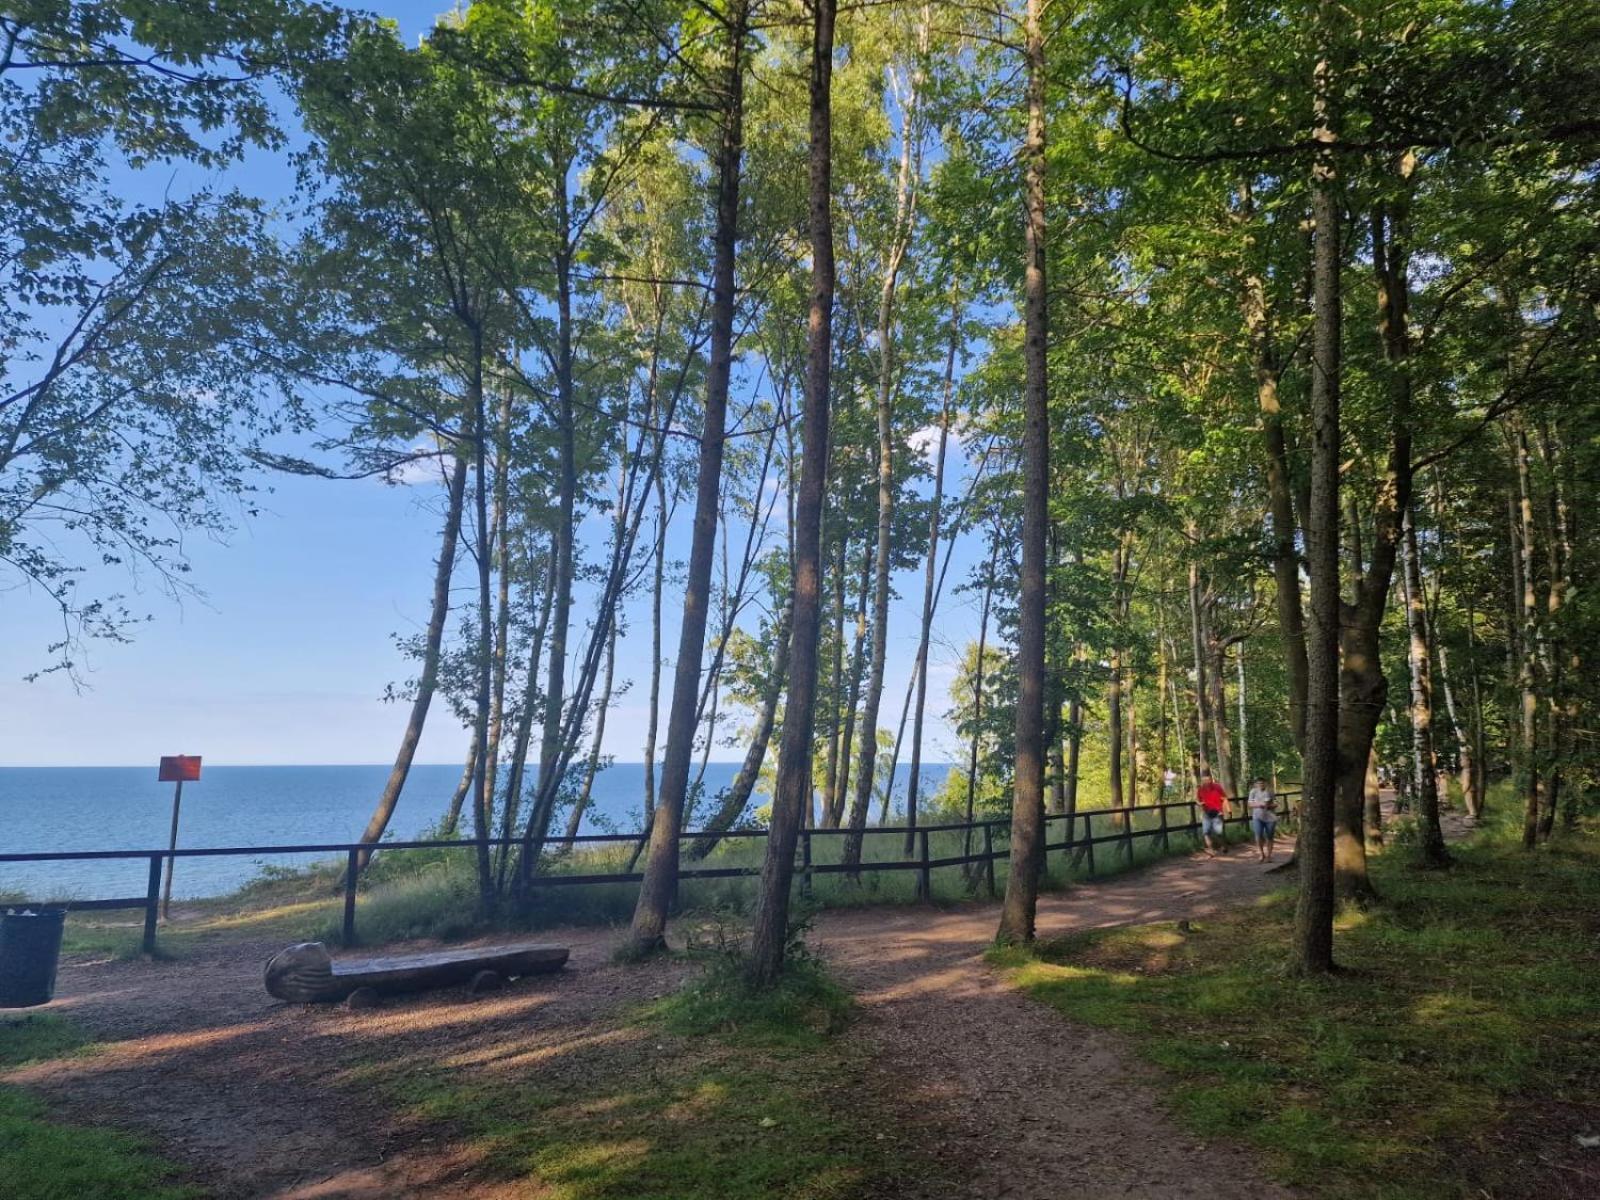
255	1096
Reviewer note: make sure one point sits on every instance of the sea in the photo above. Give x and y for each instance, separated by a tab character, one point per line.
46	809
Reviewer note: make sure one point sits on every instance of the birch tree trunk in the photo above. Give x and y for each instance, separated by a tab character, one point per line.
1430	846
904	224
929	593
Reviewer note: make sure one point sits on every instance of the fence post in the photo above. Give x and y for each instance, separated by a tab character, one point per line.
924	879
1194	823
989	858
805	863
352	872
152	901
1088	840
1164	843
1127	830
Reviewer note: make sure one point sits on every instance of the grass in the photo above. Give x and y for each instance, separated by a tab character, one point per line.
1457	1054
432	894
710	1092
42	1159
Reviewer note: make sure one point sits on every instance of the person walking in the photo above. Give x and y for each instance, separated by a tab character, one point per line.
1214	808
1263	808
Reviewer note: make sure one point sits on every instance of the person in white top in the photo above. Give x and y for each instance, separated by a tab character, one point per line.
1263	808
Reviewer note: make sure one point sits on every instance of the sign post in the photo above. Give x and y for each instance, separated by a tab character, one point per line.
175	769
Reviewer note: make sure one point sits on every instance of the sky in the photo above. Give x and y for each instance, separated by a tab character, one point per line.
286	656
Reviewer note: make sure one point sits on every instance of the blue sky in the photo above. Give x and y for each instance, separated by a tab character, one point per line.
286	657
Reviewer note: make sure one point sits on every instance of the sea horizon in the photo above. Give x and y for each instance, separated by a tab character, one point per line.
61	809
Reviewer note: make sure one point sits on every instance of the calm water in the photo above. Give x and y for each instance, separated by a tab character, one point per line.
117	808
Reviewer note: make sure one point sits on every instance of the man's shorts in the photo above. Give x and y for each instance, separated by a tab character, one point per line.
1210	823
1263	827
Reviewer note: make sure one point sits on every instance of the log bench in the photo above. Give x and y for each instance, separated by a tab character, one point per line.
307	974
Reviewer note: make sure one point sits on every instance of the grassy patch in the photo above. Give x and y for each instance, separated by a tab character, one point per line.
38	1037
1469	1003
805	1007
42	1159
711	1092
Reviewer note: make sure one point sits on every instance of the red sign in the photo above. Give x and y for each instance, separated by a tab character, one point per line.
179	768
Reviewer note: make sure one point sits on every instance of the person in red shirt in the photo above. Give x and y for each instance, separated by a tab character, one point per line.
1213	808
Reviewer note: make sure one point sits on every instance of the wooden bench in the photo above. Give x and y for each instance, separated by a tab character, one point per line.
307	974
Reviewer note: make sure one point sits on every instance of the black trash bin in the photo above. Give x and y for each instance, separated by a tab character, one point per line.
30	947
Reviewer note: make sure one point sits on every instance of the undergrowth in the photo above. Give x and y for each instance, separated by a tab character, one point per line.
805	1004
1457	1053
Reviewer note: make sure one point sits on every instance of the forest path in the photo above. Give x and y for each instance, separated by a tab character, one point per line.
260	1099
1030	1104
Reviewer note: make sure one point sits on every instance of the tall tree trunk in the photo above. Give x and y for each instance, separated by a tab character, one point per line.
1244	727
1466	769
1202	762
550	748
1430	845
654	716
502	559
1312	952
1374	803
1069	801
1280	495
1114	730
1554	655
1528	672
935	516
660	883
737	798
428	680
452	812
770	934
1363	686
592	767
977	701
1217	700
1132	793
510	812
1027	806
830	777
905	209
481	799
853	699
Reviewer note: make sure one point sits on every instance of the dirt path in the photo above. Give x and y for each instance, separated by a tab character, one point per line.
1066	1106
259	1097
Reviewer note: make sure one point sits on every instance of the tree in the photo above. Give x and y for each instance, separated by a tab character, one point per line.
1027	806
793	793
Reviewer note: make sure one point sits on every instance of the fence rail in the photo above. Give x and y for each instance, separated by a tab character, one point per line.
1082	848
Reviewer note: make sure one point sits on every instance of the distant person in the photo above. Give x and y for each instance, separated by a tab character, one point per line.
1213	808
1169	780
1263	806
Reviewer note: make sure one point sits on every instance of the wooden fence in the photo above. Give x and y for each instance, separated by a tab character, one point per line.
1122	835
